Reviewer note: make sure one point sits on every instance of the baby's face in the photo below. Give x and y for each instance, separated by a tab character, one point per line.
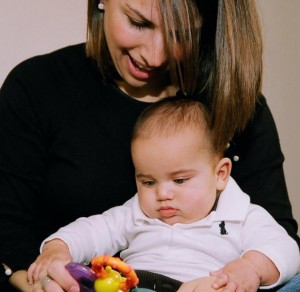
176	177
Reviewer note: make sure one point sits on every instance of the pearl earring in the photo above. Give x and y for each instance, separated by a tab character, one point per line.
101	6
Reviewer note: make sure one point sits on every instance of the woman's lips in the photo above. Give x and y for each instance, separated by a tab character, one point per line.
138	71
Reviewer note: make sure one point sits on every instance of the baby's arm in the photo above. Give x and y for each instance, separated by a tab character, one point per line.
252	270
265	268
53	250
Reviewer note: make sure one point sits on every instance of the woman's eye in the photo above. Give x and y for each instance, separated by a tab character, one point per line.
137	24
180	181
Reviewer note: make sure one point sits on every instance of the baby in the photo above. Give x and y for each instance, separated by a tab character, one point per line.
188	219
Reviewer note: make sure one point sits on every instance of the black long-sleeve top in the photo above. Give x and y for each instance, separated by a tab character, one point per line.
65	152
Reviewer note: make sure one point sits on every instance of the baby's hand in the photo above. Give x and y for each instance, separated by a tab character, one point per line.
55	249
238	275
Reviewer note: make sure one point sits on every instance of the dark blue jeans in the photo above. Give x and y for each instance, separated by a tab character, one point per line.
293	285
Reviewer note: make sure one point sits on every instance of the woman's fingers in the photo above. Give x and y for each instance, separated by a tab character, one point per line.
199	285
50	285
52	278
46	285
58	272
48	272
30	273
36	272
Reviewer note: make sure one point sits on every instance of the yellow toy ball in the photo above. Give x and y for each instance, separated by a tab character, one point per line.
109	284
110	280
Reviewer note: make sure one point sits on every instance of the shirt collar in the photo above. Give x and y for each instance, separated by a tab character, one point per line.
233	203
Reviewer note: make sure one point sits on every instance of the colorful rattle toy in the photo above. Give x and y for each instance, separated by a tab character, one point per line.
108	274
108	279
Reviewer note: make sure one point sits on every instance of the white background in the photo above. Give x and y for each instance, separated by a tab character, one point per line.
32	27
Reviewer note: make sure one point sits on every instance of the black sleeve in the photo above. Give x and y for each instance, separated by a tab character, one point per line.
258	167
22	156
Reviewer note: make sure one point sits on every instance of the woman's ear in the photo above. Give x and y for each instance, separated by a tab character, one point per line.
223	170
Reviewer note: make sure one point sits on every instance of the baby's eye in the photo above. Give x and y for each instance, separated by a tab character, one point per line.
180	181
148	183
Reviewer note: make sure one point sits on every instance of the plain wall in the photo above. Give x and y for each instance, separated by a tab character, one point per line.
33	27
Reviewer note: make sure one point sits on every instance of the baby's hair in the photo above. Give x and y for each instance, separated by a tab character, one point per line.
171	115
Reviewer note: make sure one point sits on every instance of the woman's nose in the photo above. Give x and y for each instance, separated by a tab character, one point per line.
153	50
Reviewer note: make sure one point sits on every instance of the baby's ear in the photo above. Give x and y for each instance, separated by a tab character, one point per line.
223	170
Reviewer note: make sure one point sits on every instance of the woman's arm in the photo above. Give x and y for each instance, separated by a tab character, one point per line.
21	175
19	281
258	167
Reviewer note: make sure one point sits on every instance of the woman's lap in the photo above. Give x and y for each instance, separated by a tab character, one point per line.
293	285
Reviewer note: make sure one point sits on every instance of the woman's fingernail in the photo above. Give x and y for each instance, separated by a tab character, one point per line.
74	289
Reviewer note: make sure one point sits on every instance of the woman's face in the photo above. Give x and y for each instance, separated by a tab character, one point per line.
134	36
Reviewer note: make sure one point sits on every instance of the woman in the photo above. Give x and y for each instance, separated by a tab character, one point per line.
66	117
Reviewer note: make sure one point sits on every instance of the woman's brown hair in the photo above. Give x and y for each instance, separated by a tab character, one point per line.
221	55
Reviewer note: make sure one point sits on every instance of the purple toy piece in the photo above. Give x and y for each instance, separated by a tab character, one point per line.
83	275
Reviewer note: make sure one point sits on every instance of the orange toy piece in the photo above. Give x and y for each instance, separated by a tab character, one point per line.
129	280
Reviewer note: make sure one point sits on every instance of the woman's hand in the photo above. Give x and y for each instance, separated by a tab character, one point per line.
48	272
19	280
58	280
199	285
